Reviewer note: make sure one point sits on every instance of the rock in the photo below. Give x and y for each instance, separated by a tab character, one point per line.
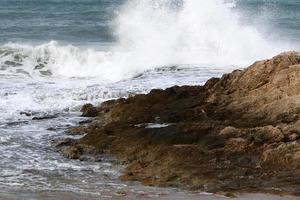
236	133
85	122
22	71
76	131
293	137
28	114
18	58
283	156
229	132
46	73
17	123
45	117
69	148
39	66
237	144
61	143
88	110
12	63
2	68
52	129
72	153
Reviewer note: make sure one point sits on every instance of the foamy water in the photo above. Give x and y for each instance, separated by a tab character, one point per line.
152	34
149	44
29	162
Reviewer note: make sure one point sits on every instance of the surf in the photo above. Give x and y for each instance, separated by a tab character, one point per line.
150	34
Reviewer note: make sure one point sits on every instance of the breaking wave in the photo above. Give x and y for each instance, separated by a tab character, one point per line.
150	33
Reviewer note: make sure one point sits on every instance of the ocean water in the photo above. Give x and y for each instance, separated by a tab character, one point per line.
56	55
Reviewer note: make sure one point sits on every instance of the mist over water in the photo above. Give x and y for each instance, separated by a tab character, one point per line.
192	32
151	34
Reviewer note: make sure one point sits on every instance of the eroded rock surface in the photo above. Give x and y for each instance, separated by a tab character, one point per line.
240	132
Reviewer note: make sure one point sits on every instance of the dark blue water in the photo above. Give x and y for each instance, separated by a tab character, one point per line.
279	19
73	21
91	21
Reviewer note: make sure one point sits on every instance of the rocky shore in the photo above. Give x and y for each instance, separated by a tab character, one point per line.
237	133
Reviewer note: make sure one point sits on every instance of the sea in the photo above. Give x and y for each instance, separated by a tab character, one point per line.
56	55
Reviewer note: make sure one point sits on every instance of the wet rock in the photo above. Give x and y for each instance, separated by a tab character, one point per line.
51	129
18	58
22	71
239	132
12	63
28	114
2	68
61	143
85	122
44	117
7	52
39	66
66	148
76	131
88	110
72	153
46	73
16	123
69	148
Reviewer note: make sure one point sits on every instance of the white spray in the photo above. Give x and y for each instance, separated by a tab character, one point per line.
153	33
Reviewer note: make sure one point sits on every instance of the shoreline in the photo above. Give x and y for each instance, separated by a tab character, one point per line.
235	134
49	195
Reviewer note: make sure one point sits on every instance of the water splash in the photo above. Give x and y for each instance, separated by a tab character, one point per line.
150	34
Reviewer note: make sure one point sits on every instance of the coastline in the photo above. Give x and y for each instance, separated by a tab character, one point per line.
49	195
239	133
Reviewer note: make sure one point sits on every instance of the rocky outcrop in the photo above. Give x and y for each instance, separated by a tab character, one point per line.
88	110
240	132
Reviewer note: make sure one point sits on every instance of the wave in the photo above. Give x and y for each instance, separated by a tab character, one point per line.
150	33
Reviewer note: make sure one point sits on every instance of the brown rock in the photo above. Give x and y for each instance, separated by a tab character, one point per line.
88	110
239	132
237	144
72	152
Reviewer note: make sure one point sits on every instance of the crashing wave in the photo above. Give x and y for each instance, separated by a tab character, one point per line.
150	34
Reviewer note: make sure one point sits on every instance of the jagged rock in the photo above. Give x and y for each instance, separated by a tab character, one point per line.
63	143
69	148
76	131
28	114
17	123
39	66
18	58
46	73
239	132
88	110
72	152
12	63
85	121
45	117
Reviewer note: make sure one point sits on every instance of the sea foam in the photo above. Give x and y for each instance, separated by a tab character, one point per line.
150	34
